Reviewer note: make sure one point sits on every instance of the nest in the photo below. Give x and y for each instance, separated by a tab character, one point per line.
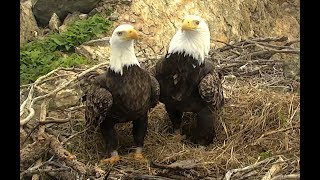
257	135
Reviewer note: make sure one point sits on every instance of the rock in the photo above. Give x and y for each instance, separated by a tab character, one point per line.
54	22
83	16
114	16
99	53
43	9
227	20
28	23
63	28
67	98
71	18
126	18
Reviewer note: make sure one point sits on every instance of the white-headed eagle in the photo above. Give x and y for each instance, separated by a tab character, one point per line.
124	93
189	82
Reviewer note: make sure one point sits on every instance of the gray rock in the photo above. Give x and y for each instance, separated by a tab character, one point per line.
28	24
43	9
67	98
114	16
54	22
71	18
83	16
95	53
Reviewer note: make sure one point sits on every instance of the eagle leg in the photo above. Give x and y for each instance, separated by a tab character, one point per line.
176	119
204	131
139	132
110	136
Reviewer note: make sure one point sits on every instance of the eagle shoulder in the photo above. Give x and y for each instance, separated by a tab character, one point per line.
210	89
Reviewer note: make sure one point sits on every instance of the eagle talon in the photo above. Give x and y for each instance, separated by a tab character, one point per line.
139	157
111	160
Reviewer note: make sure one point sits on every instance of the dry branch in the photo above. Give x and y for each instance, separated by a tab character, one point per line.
273	170
144	177
180	165
273	132
34	151
76	77
247	168
66	156
285	177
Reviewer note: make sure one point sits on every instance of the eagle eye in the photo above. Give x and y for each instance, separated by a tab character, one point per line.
119	33
197	22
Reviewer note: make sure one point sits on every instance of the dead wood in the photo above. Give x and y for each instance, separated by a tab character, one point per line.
66	156
179	165
143	177
34	151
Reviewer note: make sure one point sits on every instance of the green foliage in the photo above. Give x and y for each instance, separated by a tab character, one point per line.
43	55
266	154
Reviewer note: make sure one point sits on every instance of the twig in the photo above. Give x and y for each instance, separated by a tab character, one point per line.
275	168
76	77
33	152
145	177
75	108
74	135
180	165
43	114
36	176
34	171
66	156
292	42
269	45
275	131
269	39
29	99
250	167
284	177
55	120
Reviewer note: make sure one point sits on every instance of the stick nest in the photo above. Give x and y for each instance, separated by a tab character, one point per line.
258	133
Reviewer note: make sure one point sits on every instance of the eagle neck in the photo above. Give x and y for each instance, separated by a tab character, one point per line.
191	43
122	55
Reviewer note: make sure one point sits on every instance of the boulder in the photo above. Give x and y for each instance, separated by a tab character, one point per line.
54	22
71	18
28	24
228	20
43	9
97	53
67	98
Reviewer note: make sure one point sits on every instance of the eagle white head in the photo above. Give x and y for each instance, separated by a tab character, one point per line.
122	48
192	39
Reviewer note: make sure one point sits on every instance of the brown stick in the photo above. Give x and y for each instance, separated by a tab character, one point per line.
33	152
145	177
66	156
275	131
285	177
54	120
43	114
180	165
36	176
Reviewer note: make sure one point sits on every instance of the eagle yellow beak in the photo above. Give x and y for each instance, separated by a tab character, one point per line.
132	34
188	24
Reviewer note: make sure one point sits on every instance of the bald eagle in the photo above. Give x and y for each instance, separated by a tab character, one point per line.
189	82
124	93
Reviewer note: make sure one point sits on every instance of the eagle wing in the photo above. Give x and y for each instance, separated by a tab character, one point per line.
98	101
210	90
155	91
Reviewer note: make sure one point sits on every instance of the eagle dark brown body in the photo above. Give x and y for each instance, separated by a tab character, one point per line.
187	86
115	98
